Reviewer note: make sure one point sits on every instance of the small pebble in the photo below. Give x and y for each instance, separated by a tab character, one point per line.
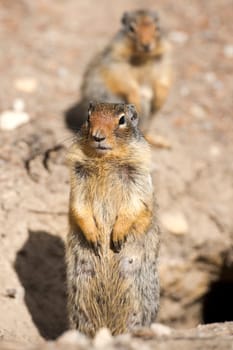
160	329
10	120
215	151
103	338
210	77
11	293
228	51
198	112
15	293
178	37
18	105
175	223
28	85
73	337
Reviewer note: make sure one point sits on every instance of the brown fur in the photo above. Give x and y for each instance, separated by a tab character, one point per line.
116	153
134	68
111	219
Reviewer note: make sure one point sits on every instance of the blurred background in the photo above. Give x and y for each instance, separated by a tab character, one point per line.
44	48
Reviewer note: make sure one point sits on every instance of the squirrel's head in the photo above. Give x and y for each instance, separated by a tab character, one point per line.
110	128
142	27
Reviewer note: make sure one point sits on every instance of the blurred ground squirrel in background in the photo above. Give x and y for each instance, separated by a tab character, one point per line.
113	242
135	67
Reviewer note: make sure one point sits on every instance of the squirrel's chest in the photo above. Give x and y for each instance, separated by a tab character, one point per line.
107	190
109	186
105	195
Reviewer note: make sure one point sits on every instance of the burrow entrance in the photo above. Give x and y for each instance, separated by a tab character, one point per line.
218	302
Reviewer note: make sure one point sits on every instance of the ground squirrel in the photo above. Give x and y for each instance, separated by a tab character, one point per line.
135	67
113	241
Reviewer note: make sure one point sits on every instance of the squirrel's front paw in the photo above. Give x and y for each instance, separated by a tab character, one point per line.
116	245
117	242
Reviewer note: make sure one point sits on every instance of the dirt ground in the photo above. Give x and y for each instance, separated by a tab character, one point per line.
50	43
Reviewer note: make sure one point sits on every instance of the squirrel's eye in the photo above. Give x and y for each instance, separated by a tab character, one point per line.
122	120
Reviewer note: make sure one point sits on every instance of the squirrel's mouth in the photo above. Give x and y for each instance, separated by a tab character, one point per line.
102	148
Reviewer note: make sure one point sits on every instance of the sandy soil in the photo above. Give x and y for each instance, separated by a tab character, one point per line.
50	42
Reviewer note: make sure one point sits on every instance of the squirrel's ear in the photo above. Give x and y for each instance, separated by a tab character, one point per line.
91	105
155	16
133	115
90	109
125	18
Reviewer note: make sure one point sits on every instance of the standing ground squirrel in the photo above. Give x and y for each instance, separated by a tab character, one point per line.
113	241
135	67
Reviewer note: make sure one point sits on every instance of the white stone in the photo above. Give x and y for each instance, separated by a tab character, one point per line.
215	151
210	77
178	37
228	51
103	338
10	120
198	112
175	222
73	337
28	85
160	329
18	105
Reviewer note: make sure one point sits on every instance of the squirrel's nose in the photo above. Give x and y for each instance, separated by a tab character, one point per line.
98	137
146	47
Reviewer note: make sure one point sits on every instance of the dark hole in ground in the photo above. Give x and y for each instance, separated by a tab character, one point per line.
218	302
40	265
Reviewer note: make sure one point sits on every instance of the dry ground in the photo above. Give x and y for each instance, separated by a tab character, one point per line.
51	42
